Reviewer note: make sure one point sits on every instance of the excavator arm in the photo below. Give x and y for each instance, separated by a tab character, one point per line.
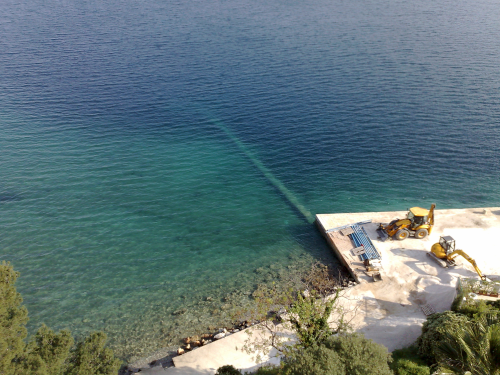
431	218
471	261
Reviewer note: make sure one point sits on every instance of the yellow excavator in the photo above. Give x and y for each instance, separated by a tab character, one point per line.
418	224
444	253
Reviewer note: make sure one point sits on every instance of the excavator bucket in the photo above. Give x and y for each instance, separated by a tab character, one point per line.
382	233
376	276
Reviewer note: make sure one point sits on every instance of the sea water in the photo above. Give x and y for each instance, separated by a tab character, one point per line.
158	159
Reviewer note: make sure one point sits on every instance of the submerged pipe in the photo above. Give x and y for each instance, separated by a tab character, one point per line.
290	197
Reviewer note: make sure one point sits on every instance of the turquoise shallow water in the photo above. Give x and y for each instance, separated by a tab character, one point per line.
123	202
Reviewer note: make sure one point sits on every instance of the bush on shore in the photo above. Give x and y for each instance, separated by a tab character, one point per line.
346	354
434	333
407	361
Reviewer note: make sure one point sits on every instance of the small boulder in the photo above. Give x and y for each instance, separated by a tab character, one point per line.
180	351
219	336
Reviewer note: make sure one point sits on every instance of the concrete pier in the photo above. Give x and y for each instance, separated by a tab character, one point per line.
480	218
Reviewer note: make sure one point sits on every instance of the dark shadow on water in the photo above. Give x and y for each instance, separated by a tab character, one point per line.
10	198
311	240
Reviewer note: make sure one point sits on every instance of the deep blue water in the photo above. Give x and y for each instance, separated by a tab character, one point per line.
122	198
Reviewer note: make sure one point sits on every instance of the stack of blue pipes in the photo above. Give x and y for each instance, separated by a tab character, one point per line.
360	238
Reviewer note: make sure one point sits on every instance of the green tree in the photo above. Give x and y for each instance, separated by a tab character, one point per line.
435	330
297	313
345	354
474	347
91	357
308	318
46	353
13	318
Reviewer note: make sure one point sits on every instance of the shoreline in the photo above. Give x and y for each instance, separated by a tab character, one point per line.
390	311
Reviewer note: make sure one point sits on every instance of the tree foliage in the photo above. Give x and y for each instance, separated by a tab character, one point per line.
308	318
13	318
434	332
407	361
296	314
474	347
345	354
227	370
47	352
91	357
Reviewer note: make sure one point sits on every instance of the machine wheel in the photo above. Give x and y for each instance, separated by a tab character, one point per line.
421	233
402	234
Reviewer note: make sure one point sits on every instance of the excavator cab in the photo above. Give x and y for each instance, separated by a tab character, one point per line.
447	243
418	216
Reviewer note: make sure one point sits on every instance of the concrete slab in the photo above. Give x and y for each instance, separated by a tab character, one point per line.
226	351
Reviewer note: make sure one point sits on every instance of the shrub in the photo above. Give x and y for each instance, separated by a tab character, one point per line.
228	370
474	347
349	354
268	370
46	353
407	361
434	331
474	309
304	312
92	357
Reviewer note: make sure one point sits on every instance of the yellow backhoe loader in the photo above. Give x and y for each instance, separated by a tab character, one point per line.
444	253
418	224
